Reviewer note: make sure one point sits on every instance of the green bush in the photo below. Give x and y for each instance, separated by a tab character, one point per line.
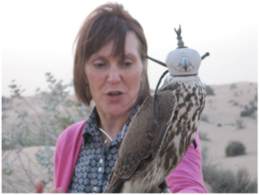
226	181
35	121
235	148
203	136
250	110
233	86
221	180
39	125
240	124
209	90
204	118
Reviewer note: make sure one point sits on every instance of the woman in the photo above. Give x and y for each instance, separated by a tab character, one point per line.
110	69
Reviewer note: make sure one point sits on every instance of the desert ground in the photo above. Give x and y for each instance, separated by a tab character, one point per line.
221	123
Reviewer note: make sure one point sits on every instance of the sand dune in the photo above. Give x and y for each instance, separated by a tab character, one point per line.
221	123
224	124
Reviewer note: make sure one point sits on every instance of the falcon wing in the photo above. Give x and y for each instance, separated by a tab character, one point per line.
142	139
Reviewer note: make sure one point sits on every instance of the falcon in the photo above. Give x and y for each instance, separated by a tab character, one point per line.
163	127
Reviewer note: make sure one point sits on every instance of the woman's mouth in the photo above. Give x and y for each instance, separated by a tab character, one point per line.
114	93
114	96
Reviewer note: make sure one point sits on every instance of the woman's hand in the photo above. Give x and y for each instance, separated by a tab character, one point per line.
40	185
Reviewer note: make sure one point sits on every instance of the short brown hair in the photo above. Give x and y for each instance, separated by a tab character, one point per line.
108	22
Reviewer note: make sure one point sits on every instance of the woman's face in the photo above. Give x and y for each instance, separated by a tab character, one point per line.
115	83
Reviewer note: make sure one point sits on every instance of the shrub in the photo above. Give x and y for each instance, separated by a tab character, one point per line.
203	136
233	86
35	121
204	118
209	90
44	157
235	148
240	124
250	110
219	125
233	102
226	181
39	125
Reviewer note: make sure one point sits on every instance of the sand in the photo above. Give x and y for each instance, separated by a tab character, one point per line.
221	123
225	125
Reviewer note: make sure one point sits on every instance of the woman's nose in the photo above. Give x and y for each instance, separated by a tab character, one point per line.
114	75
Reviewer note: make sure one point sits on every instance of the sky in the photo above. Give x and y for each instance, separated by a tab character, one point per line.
38	37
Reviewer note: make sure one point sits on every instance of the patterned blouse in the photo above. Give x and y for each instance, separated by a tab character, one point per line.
96	158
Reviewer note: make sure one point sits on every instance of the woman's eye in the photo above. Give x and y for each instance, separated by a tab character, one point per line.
99	64
127	63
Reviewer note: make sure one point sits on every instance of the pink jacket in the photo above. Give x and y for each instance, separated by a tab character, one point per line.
186	177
